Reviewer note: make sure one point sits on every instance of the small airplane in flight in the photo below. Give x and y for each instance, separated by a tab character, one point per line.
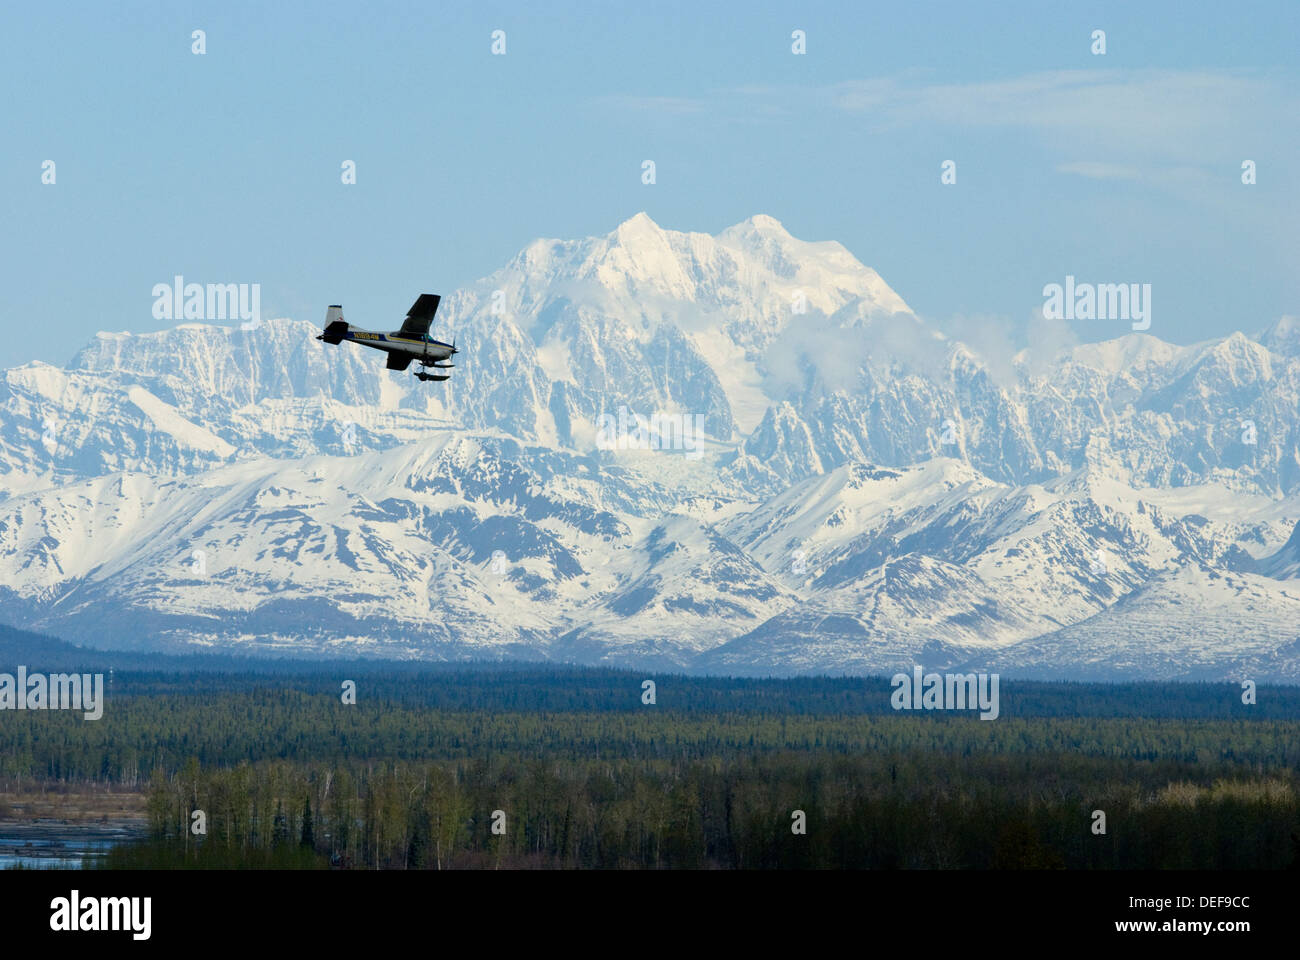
412	342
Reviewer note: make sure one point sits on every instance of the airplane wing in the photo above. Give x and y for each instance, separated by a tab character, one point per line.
399	361
420	315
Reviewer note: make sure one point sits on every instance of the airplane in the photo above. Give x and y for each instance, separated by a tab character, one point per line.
412	342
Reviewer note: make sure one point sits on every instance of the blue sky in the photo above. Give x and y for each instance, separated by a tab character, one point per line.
226	167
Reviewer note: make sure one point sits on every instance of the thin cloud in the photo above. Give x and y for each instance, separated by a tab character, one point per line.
1096	170
1164	114
1131	123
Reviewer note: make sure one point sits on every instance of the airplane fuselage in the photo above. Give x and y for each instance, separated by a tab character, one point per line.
420	350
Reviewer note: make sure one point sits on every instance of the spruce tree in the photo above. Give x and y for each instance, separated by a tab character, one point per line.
308	836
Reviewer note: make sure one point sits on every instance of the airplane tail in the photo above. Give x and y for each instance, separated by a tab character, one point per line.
335	326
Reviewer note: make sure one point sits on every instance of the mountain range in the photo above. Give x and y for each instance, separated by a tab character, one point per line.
866	494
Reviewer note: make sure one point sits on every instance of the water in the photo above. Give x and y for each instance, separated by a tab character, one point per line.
55	845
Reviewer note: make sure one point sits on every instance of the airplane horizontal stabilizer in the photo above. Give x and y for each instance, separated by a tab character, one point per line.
335	331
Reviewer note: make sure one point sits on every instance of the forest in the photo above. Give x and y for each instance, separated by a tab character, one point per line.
483	767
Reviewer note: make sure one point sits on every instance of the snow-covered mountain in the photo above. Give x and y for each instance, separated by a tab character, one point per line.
866	494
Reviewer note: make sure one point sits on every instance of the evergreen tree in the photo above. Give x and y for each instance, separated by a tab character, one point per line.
280	826
308	835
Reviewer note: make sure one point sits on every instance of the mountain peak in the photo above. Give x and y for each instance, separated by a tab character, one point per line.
759	225
638	225
1283	336
765	224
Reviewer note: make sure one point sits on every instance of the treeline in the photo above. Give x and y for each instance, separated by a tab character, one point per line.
141	734
887	811
559	689
514	686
